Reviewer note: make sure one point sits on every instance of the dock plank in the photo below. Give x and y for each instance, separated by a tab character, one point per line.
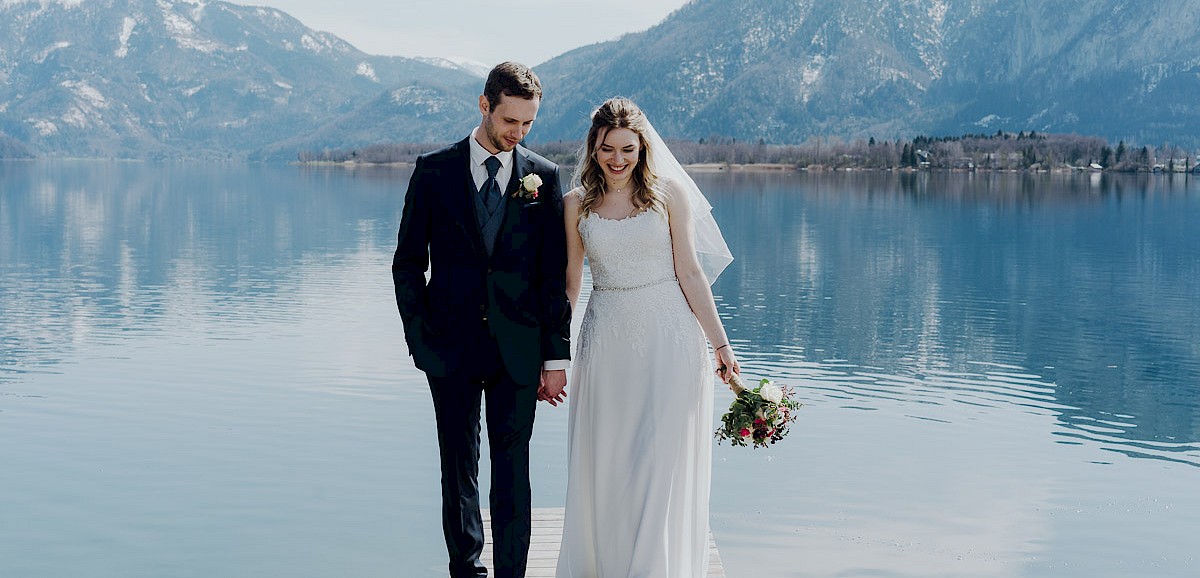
545	539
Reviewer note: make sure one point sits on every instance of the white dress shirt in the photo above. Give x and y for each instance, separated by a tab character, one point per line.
479	170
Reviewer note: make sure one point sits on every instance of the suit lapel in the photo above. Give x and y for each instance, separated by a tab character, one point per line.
521	167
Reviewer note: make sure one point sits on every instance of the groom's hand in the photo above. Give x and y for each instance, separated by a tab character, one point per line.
553	383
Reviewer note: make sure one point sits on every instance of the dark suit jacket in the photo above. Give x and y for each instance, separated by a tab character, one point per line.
516	296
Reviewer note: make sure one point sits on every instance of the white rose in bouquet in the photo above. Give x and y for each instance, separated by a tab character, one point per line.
771	392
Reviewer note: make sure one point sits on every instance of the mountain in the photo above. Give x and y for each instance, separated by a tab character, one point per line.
11	148
469	66
192	78
172	78
421	113
784	71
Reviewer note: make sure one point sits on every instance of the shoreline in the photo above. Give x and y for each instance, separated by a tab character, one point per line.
696	167
786	168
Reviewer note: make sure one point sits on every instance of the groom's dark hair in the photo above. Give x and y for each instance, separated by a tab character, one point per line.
512	79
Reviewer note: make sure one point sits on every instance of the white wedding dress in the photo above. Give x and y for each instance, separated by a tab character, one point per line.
640	425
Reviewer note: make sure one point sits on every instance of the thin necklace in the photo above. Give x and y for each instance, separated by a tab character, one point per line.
632	212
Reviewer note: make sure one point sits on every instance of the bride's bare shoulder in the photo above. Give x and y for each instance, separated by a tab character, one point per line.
573	199
671	191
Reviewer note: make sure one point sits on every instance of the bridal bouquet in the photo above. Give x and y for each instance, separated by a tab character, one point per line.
758	416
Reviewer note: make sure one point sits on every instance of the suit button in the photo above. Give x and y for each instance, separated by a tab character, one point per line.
485	318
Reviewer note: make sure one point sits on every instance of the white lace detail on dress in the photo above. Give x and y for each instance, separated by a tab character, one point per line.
634	257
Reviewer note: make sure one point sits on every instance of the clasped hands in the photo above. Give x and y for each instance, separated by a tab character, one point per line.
552	386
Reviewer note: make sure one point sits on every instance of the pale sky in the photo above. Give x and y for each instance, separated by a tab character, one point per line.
528	31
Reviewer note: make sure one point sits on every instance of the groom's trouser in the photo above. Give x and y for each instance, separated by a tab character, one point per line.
510	409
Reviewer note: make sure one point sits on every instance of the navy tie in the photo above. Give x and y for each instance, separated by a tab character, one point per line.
491	188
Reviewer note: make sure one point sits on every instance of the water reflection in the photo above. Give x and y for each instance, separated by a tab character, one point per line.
1001	374
1089	288
95	251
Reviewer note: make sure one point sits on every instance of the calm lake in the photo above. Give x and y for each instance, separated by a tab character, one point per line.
202	375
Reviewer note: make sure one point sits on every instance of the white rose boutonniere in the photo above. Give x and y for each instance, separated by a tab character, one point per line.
529	187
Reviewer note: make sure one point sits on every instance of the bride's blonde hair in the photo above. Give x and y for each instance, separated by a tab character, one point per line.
618	112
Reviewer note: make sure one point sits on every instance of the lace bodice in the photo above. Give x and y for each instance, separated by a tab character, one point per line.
634	288
628	253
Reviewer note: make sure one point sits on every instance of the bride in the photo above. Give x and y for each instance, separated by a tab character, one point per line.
639	433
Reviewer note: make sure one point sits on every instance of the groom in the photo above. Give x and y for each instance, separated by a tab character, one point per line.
485	216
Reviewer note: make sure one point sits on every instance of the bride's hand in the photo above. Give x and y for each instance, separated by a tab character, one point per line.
727	363
551	386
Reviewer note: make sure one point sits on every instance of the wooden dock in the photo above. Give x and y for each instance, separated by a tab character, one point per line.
547	534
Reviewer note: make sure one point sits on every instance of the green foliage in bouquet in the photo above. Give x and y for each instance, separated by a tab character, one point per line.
759	416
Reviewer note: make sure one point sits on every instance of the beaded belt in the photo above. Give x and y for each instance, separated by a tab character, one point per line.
642	286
